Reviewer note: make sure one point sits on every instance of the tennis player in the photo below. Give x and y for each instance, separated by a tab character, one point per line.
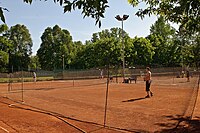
34	77
148	80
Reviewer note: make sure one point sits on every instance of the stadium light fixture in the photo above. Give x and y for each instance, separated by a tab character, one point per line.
122	19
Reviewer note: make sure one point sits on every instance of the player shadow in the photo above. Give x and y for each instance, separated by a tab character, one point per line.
135	99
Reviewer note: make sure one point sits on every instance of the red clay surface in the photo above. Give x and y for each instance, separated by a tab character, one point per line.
80	106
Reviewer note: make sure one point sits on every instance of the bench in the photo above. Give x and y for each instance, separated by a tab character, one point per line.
126	81
111	79
133	77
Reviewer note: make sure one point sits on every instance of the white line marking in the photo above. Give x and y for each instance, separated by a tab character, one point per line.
4	129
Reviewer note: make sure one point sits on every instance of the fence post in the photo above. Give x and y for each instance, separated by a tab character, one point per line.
22	86
106	102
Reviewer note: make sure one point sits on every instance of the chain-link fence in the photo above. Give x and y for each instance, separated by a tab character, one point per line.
81	95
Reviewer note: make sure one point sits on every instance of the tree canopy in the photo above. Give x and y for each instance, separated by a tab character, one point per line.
22	46
5	46
162	47
56	45
162	38
183	12
15	47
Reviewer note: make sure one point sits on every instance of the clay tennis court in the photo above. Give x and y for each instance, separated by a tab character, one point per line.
79	106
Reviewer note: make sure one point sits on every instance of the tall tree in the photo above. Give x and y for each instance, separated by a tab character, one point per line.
162	37
144	51
34	63
190	49
164	29
196	50
115	33
78	61
114	37
107	51
56	48
101	52
105	45
22	46
5	47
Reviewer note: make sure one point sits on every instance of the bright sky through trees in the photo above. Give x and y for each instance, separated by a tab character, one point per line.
40	15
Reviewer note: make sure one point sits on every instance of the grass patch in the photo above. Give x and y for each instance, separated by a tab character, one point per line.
26	79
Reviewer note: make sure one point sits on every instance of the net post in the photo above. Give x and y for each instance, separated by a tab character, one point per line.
173	75
106	101
73	81
22	79
10	83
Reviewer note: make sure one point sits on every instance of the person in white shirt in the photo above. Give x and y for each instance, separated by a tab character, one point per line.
34	76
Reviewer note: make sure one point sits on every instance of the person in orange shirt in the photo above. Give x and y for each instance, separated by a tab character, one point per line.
148	80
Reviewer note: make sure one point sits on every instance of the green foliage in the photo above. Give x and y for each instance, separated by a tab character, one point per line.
191	50
130	53
1	15
107	51
5	43
162	28
162	37
22	46
104	48
196	50
78	61
144	51
184	12
133	2
163	47
100	53
115	33
55	48
3	60
34	63
90	8
28	1
5	47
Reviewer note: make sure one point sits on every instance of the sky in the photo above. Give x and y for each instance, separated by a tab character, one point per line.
42	14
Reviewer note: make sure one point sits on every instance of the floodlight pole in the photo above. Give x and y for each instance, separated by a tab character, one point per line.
22	80
123	50
63	65
122	19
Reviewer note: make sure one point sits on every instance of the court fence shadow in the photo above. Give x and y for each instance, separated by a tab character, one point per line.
183	125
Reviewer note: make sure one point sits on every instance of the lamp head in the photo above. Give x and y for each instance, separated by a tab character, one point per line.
118	18
125	17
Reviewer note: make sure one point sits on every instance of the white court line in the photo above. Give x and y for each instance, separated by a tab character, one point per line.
4	129
164	84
